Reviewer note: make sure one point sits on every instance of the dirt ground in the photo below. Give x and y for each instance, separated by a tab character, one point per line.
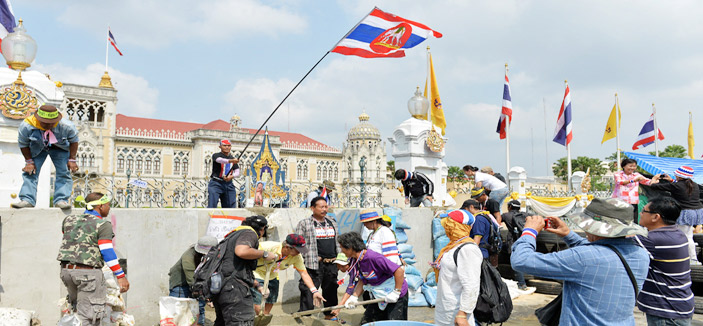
523	314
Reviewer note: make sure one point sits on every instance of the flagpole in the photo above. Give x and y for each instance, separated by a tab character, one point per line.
507	133
107	46
691	140
428	84
617	128
656	131
568	152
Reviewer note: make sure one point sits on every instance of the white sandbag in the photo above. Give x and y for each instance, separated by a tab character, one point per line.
15	317
178	311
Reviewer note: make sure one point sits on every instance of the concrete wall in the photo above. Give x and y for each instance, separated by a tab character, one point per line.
151	240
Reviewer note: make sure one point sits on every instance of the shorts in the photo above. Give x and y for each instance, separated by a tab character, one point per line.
273	292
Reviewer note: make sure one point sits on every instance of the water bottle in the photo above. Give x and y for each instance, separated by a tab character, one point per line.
215	283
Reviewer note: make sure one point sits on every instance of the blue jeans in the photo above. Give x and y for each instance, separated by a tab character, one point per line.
184	292
661	321
63	185
520	278
221	191
499	195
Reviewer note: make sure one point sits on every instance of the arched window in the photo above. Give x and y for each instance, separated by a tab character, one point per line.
140	164
336	174
176	166
319	174
184	167
120	163
147	165
91	160
130	162
157	165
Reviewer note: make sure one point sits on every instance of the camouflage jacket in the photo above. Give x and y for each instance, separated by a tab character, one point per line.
80	239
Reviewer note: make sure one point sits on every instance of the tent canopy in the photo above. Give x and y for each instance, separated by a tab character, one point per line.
656	165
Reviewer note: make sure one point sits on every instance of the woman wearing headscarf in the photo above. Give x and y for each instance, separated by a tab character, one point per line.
686	192
457	288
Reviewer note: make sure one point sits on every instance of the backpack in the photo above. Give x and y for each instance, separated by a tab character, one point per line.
493	240
494	304
515	222
209	271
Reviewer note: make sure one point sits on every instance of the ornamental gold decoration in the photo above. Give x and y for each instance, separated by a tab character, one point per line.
435	141
17	102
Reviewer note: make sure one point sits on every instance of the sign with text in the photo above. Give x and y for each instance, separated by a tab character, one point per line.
220	225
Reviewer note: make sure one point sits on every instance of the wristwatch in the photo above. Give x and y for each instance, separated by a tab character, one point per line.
266	254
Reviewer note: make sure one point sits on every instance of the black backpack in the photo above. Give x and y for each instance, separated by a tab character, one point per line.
210	265
494	304
493	240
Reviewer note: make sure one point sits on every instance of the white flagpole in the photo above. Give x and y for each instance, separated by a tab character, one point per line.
617	128
107	46
568	151
428	86
507	133
656	131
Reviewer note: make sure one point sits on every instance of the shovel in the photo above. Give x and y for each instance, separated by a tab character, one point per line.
314	311
261	319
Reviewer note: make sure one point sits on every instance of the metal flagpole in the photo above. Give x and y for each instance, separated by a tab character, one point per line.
428	86
656	131
507	133
107	46
568	150
617	127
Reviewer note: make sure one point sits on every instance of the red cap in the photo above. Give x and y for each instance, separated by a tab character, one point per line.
225	142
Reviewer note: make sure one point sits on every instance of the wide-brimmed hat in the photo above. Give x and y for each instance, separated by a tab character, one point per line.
328	184
609	218
477	192
341	259
368	215
684	172
297	241
205	243
48	114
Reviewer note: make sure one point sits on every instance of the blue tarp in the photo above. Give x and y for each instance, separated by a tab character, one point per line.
656	165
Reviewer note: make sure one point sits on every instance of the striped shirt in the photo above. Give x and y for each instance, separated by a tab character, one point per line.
382	241
667	290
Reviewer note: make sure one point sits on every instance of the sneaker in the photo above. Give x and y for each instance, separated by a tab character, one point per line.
22	204
695	262
63	205
522	287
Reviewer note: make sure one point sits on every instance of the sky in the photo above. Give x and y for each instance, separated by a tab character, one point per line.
200	61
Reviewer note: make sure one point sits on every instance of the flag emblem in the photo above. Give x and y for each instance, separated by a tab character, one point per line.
392	39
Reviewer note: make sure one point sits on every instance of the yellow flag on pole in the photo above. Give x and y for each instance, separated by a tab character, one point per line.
691	141
436	110
611	129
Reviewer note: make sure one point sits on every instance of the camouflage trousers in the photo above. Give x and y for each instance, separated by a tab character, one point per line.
87	293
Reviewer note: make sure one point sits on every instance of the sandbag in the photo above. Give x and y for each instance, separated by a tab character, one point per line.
401	236
14	316
437	229
178	311
404	247
440	243
430	279
411	270
417	300
400	224
414	281
410	255
430	293
409	261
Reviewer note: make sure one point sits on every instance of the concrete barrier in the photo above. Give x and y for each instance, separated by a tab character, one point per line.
151	240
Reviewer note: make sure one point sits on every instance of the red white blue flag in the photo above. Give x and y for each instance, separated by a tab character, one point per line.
7	19
646	136
506	113
112	41
562	134
383	34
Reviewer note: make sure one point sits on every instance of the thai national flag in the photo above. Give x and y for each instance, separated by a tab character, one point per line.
324	194
7	19
225	168
112	41
383	34
646	136
506	114
562	134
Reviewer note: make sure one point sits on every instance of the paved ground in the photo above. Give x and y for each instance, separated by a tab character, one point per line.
523	314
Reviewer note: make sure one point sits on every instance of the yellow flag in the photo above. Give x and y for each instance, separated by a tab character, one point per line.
435	102
610	127
691	141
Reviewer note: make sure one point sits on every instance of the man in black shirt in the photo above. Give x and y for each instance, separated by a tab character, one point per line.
487	204
224	169
418	187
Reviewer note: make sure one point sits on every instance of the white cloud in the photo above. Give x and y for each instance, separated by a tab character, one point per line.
135	96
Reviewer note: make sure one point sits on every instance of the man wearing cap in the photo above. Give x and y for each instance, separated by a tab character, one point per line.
489	170
289	252
481	230
45	134
224	169
488	204
181	274
320	232
597	289
85	248
418	187
324	190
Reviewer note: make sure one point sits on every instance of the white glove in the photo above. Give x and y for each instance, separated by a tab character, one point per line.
264	292
351	303
393	296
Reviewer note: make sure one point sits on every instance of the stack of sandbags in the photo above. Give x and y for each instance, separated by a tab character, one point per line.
429	289
415	281
439	237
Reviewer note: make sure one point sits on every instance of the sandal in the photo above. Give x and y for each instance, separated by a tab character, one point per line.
337	319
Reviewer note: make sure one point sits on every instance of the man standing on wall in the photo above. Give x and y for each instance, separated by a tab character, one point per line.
320	234
85	248
418	187
220	187
45	134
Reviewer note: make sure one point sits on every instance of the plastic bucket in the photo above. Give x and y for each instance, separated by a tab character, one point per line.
396	323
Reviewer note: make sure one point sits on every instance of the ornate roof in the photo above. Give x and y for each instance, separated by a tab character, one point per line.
364	130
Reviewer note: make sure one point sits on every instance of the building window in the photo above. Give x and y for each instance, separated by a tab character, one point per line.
130	162
85	111
336	174
184	167
180	162
120	163
157	165
319	173
147	165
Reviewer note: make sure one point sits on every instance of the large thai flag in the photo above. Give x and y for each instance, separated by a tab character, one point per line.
7	19
562	134
646	136
383	34
506	113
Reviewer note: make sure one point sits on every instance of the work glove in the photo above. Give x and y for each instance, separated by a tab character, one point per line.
393	296
351	303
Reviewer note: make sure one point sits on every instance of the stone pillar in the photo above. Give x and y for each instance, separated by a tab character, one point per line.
517	177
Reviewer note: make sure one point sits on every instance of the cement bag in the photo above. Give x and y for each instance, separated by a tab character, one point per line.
404	247
409	261
437	228
414	281
178	311
430	279
66	320
15	317
411	270
440	243
430	293
400	224
417	300
401	236
410	255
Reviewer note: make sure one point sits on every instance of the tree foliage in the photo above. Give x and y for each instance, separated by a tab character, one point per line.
455	172
672	151
390	166
581	163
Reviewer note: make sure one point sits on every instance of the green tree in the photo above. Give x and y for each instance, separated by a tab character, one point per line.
614	165
455	172
581	163
672	151
390	166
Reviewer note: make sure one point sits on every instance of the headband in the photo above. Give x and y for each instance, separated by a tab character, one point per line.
48	115
90	205
408	175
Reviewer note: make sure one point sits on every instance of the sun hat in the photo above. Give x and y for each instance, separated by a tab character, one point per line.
205	243
341	259
297	241
684	172
609	218
48	114
328	184
462	216
477	192
369	215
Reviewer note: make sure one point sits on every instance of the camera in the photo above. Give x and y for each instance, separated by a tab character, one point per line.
547	223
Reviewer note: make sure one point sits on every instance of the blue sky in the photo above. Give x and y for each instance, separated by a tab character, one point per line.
206	60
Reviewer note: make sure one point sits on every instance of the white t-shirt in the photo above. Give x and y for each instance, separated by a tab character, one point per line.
383	242
489	182
458	288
